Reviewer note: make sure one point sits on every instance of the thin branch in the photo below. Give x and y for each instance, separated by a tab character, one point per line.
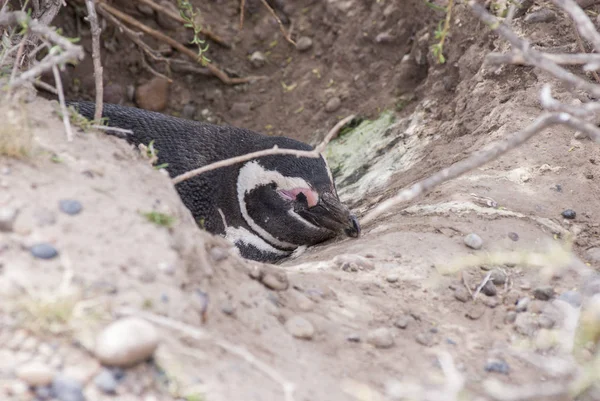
98	70
63	106
275	150
582	47
169	13
70	51
558	58
242	6
19	55
582	23
200	335
483	283
216	71
283	30
45	86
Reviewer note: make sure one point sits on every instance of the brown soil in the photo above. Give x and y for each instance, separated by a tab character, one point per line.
124	261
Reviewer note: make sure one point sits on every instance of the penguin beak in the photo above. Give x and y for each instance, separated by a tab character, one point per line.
331	214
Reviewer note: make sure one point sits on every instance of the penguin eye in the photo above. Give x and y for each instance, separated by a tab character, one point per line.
304	195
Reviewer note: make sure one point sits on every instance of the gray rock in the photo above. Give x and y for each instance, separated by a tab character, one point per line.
35	373
540	16
543	293
258	59
392	278
8	216
402	322
381	338
299	327
569	214
510	317
513	236
497	366
490	302
523	304
572	297
43	251
475	312
353	338
461	294
240	109
126	342
384	37
545	321
333	104
70	206
489	289
593	254
304	43
526	324
106	381
427	339
498	277
473	241
67	389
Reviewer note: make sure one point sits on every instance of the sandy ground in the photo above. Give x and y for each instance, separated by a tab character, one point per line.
379	314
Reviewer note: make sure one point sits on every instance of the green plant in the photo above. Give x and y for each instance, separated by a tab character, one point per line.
192	20
159	218
442	31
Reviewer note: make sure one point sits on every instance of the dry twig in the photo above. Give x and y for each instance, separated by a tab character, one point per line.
63	106
483	283
200	335
267	152
98	71
242	6
283	30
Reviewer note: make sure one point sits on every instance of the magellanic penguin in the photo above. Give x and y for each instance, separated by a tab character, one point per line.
268	207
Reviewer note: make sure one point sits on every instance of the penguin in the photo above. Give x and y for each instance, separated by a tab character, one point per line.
267	207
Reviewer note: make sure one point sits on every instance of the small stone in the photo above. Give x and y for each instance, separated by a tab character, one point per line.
510	317
569	214
392	278
218	254
380	338
543	293
240	109
189	111
540	16
384	37
333	104
497	366
490	302
580	135
304	43
498	277
427	339
106	382
522	304
275	281
513	236
126	342
572	297
353	338
43	251
66	389
593	254
258	59
70	206
7	218
35	374
299	327
153	95
473	241
489	289
461	294
475	312
145	9
402	322
546	322
526	324
228	309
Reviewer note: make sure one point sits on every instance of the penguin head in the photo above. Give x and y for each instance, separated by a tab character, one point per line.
290	201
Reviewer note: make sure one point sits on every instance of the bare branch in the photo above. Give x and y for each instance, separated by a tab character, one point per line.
98	70
63	106
267	152
583	24
558	58
283	30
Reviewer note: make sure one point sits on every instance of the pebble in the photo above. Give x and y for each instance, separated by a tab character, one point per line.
510	317
70	206
489	289
513	236
43	251
240	109
498	277
522	304
473	241
402	322
490	302
569	214
35	374
299	327
333	104
304	43
543	293
497	366
353	338
126	342
228	309
275	282
258	59
526	324
153	95
392	278
8	216
384	37
461	294
540	16
106	381
66	389
593	254
475	312
380	338
427	339
546	322
572	297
